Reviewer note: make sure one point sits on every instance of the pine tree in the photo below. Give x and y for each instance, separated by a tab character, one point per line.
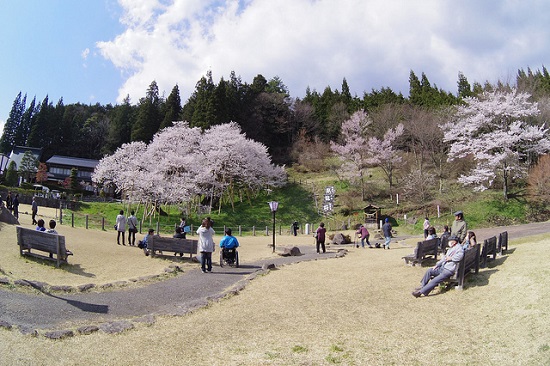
464	89
8	139
172	108
148	115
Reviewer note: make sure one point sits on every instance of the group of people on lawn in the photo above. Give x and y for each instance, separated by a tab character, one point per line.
459	240
206	245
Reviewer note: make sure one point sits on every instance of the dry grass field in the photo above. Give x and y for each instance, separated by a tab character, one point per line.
355	310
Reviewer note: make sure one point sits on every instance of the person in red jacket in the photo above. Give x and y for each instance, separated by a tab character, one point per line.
364	235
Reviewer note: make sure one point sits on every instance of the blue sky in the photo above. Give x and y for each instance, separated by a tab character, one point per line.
92	51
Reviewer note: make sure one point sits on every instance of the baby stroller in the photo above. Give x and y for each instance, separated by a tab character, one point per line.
229	257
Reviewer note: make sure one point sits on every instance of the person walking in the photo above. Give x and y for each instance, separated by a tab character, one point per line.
132	228
121	227
364	235
206	245
386	229
34	209
320	236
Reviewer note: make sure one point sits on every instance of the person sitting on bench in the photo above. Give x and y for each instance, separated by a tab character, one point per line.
443	269
52	230
229	244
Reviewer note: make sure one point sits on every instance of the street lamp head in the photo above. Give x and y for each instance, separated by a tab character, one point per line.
273	205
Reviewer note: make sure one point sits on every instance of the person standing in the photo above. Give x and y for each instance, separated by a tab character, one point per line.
206	245
426	227
16	206
132	228
34	209
121	227
320	236
364	235
386	229
9	202
459	228
295	227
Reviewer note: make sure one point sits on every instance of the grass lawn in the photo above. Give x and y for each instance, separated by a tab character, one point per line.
356	310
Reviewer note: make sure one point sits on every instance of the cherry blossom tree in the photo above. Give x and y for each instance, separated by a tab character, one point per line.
359	151
353	151
497	129
183	163
383	152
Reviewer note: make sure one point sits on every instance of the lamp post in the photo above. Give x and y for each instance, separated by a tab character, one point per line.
273	205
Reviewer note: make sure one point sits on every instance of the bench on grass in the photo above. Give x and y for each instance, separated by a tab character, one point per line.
469	262
489	249
53	244
502	242
424	249
173	245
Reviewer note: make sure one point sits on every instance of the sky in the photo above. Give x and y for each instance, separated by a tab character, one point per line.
99	51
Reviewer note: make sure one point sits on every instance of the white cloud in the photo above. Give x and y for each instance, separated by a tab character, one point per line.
85	53
317	43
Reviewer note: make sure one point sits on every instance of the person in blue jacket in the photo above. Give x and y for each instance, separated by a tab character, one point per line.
229	244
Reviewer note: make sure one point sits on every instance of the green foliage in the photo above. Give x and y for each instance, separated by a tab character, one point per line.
11	175
299	349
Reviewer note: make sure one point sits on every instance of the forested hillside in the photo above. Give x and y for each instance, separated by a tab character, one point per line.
262	108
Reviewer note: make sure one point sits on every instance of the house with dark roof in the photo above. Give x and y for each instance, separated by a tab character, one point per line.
59	168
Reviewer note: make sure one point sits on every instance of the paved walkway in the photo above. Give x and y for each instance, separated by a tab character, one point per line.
174	296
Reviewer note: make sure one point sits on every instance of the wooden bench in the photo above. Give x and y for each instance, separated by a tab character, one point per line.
502	242
469	262
489	249
30	239
173	245
424	249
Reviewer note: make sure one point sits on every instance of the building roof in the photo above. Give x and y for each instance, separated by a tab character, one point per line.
72	162
19	151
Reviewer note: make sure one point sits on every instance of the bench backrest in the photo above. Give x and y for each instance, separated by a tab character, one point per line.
178	245
443	243
469	262
427	247
40	240
503	242
489	249
28	239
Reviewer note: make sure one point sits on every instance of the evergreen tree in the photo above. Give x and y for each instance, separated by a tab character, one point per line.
204	113
28	166
11	175
415	89
39	135
148	115
22	133
8	139
464	89
172	108
122	118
